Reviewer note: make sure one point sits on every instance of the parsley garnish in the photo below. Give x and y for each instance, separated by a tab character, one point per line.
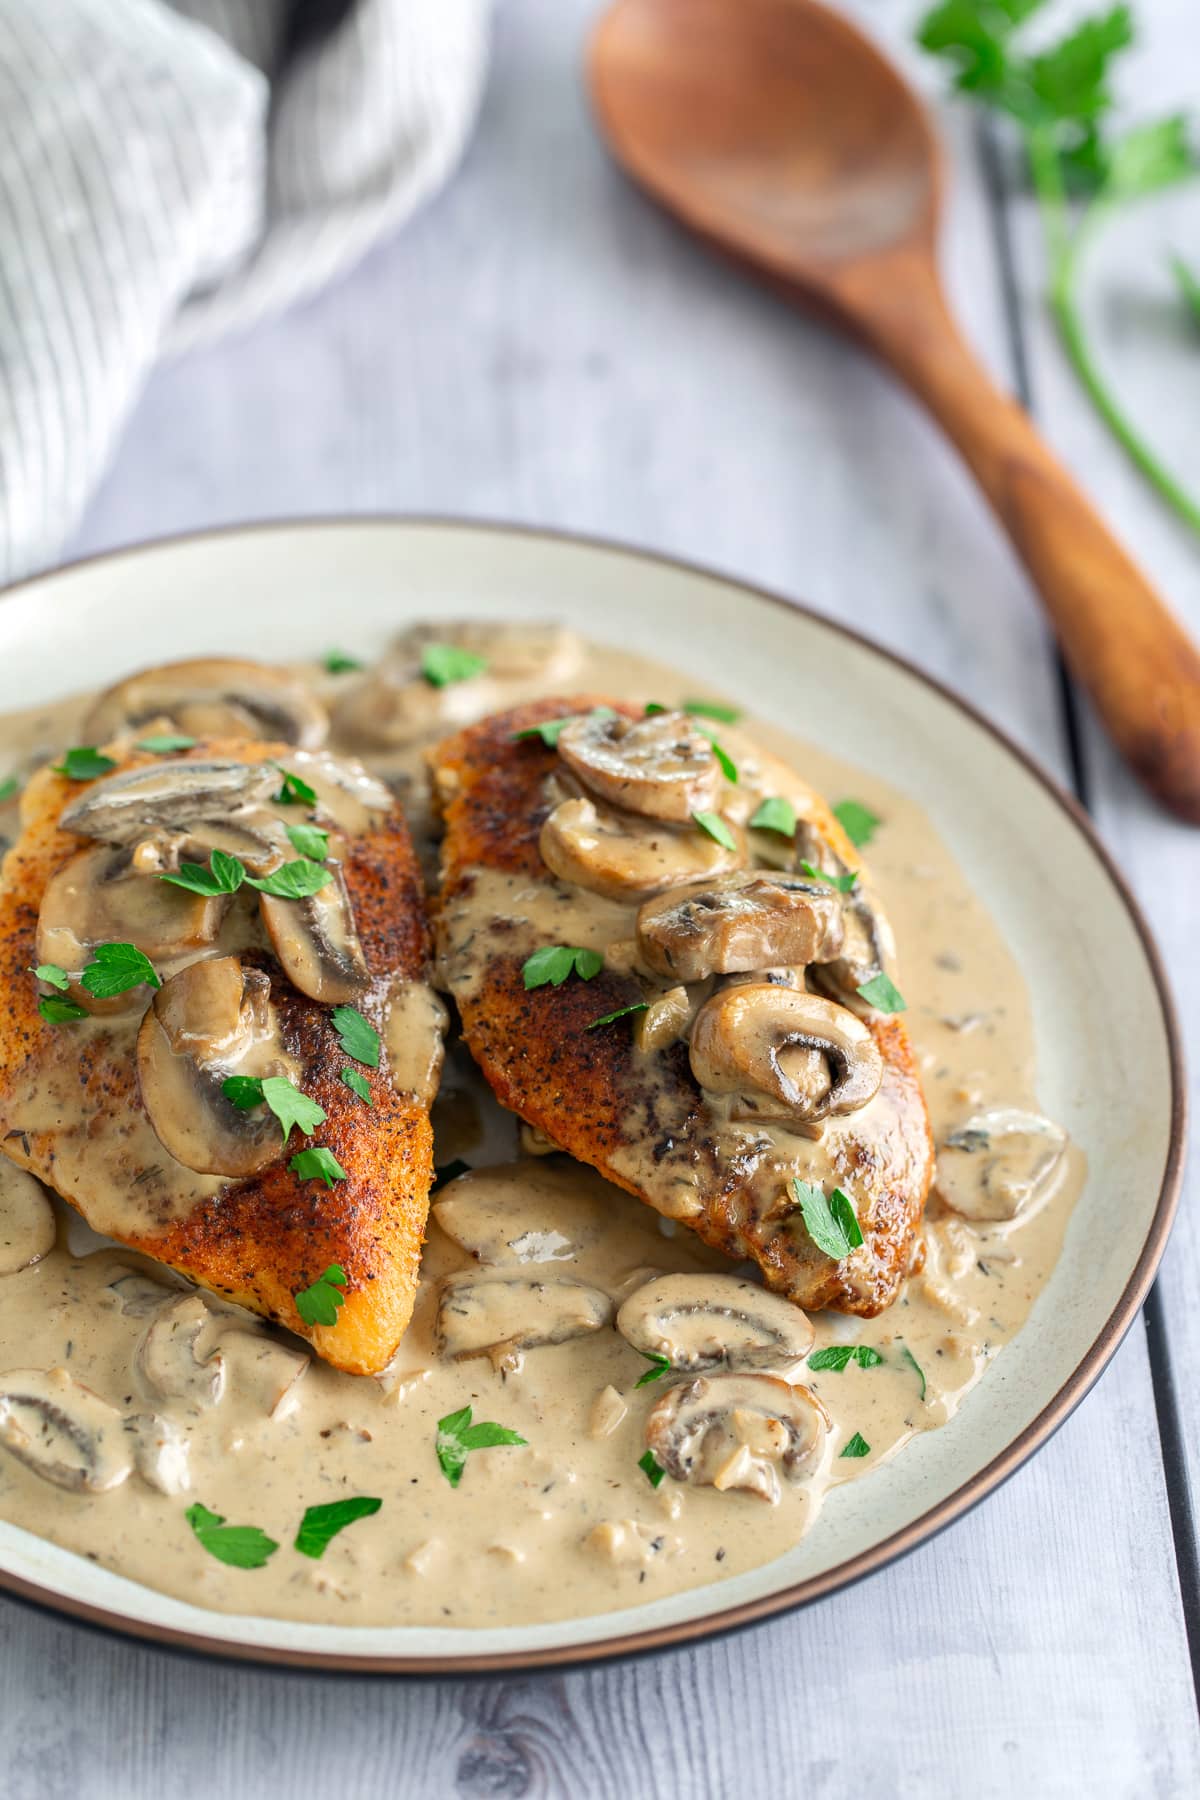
551	965
712	709
550	729
317	1164
843	883
53	975
716	828
292	880
163	746
294	791
457	1437
360	1040
635	1006
831	1223
336	662
1060	95
651	1468
358	1084
908	1357
115	968
84	763
857	821
9	788
290	1106
56	1009
882	993
775	814
660	1365
241	1546
321	1303
321	1524
839	1357
442	664
858	1446
309	841
728	766
223	875
1186	281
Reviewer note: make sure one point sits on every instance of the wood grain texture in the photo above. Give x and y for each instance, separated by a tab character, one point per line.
541	345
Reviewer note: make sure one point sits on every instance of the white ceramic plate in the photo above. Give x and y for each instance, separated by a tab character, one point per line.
1103	1016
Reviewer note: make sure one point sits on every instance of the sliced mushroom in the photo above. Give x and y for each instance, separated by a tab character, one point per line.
167	1358
1000	1163
99	898
737	1431
518	1213
317	941
63	1431
501	1316
212	1020
664	1021
660	766
212	696
627	858
706	1321
867	945
173	795
738	923
139	1296
264	1371
740	1037
160	1452
27	1225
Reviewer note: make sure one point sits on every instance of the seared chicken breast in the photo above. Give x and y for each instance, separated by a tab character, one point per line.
686	987
154	1097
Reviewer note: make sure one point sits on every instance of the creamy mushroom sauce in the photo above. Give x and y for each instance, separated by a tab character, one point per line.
568	1525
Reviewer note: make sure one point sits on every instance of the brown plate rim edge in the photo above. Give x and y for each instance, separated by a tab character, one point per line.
945	1512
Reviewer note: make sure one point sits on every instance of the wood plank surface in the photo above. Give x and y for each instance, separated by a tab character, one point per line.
542	346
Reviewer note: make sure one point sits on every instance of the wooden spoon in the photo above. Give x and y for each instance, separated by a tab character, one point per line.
776	131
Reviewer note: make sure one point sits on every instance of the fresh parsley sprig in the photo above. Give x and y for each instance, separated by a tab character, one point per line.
457	1437
83	762
831	1222
241	1546
321	1524
359	1038
317	1164
553	963
115	968
292	1108
660	1366
224	874
838	1357
320	1303
1060	97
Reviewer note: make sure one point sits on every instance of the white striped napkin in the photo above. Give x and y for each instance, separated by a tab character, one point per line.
171	169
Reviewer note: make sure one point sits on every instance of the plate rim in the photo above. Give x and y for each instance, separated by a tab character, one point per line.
899	1543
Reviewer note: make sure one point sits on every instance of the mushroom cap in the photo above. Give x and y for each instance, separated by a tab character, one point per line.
739	922
628	858
63	1431
211	1020
498	1313
170	794
160	1452
737	1431
317	941
999	1163
212	696
660	766
27	1223
740	1035
705	1321
98	897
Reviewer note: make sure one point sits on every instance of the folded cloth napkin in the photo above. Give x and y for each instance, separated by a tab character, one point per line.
172	169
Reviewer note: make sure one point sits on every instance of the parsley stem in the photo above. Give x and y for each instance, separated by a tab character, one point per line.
1064	251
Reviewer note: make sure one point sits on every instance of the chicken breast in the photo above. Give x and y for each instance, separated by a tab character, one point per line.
710	1050
125	1111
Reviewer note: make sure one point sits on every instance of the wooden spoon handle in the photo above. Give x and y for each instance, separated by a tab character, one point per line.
1120	639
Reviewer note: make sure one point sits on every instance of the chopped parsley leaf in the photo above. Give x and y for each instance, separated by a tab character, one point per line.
53	975
651	1469
321	1524
712	709
857	821
358	1084
442	664
336	662
115	968
321	1303
294	791
457	1437
882	993
551	965
224	874
84	762
241	1546
775	814
309	841
908	1357
635	1006
858	1446
659	1367
317	1164
840	1356
831	1223
716	828
164	745
56	1009
843	883
360	1040
290	1106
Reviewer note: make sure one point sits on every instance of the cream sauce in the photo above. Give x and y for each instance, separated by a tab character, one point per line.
566	1524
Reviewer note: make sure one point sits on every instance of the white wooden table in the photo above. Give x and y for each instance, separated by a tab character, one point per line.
540	345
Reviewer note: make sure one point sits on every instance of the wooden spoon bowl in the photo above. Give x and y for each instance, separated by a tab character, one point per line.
778	133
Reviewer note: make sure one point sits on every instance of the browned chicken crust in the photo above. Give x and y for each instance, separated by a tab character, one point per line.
589	1091
261	1240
